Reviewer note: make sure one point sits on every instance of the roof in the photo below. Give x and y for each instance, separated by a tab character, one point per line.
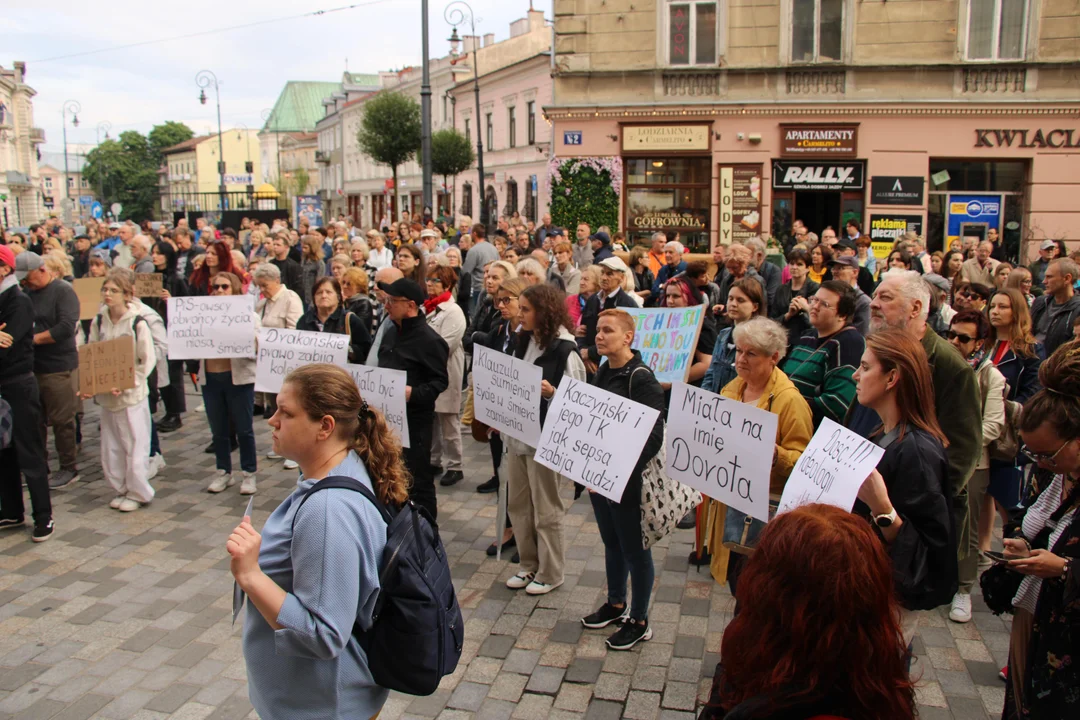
186	145
362	79
55	160
299	106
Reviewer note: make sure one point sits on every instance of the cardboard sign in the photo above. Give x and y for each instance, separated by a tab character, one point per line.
211	327
832	468
722	447
88	290
667	339
148	285
384	390
281	351
506	393
594	437
106	365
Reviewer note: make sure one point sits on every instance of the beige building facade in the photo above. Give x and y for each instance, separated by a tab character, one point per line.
947	117
190	178
21	200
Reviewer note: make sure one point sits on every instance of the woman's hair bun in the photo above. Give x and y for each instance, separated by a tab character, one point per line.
1060	373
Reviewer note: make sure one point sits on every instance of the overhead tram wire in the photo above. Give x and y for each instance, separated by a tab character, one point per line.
312	13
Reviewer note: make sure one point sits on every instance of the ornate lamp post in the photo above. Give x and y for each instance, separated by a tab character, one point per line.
103	126
205	79
73	107
455	14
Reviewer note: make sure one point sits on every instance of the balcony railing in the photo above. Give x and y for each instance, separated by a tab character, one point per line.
37	136
322	156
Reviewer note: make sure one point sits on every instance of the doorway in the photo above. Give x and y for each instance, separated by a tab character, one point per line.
818	210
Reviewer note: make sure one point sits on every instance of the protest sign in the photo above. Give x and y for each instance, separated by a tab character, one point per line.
667	339
106	365
594	437
88	290
211	327
722	447
832	468
281	351
384	390
506	393
148	285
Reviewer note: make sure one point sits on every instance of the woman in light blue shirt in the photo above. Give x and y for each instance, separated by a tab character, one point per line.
314	571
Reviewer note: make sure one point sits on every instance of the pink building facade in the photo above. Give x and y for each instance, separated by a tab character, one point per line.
516	138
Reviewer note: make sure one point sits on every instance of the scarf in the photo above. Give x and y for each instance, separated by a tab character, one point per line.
976	358
432	303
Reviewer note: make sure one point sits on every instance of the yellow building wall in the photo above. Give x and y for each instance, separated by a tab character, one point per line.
239	146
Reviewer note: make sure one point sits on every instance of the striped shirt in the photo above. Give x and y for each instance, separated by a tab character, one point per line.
822	370
1035	519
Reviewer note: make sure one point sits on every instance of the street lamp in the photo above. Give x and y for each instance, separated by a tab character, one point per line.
425	116
205	79
249	168
73	107
455	14
106	126
267	113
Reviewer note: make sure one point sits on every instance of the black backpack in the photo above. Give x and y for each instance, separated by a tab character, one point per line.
417	631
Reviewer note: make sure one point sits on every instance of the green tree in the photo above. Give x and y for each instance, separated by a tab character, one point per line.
126	168
301	179
390	132
166	135
451	155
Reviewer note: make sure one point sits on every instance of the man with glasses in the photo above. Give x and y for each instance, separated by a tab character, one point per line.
980	269
845	269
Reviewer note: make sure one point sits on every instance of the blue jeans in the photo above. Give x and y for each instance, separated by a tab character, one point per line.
624	554
223	401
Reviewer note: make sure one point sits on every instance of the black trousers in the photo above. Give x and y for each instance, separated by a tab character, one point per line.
24	459
172	395
418	462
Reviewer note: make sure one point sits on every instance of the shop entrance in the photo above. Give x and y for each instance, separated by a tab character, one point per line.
818	210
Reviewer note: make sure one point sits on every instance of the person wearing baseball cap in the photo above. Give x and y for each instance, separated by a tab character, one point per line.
24	459
411	345
601	247
613	272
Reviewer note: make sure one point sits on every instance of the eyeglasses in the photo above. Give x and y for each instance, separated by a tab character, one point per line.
1050	459
499	302
950	335
815	300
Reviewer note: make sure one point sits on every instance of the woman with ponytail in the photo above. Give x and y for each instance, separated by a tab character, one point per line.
313	573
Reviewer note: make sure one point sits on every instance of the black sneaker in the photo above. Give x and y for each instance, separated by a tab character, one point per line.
6	523
492	549
688	521
43	530
170	423
629	635
606	615
209	448
452	477
490	486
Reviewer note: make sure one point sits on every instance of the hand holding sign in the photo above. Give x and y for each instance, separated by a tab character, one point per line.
507	394
832	469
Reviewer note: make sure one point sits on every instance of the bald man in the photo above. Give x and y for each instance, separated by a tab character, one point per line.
383	275
140	254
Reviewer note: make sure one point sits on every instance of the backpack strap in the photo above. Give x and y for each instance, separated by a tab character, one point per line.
344	483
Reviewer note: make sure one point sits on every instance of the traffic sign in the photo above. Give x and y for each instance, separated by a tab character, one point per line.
95	211
116	208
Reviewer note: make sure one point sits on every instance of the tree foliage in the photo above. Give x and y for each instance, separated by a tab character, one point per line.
390	131
166	135
583	194
451	153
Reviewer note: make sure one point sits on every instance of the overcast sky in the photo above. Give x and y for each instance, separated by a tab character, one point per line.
139	87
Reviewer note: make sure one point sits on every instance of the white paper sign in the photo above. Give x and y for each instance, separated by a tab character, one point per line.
832	468
506	393
594	437
722	447
384	390
281	351
203	328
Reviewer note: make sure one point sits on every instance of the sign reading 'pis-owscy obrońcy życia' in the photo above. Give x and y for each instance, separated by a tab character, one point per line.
202	328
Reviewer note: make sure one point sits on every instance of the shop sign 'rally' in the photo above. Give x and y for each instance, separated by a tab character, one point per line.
1057	138
788	175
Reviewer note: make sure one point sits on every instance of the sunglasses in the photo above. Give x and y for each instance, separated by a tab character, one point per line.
950	335
222	287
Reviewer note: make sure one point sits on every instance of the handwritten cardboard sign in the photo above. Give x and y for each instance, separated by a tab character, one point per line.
281	351
384	390
667	339
106	365
88	290
594	437
832	468
148	285
722	447
506	392
211	327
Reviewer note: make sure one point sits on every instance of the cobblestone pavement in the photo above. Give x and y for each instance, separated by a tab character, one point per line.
128	616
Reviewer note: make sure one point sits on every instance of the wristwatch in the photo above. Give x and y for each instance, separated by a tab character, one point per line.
1065	568
886	520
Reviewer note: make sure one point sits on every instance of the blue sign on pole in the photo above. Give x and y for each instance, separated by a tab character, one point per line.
86	200
571	137
96	211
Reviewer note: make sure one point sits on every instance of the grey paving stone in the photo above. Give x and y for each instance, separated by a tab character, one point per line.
545	679
431	705
521	661
964	708
171	698
90	614
604	710
190	655
468	696
584	670
16	677
43	709
234	708
689	647
680	695
699	607
143	640
495	710
497	646
567	631
83	708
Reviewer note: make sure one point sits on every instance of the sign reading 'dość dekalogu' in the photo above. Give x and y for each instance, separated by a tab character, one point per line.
722	447
831	470
594	437
506	392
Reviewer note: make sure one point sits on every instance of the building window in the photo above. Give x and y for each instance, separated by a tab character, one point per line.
48	184
468	131
466	199
511	197
3	114
490	133
83	183
996	29
669	193
691	32
817	30
71	183
531	107
511	122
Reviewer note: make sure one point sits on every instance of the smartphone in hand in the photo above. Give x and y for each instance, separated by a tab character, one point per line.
995	556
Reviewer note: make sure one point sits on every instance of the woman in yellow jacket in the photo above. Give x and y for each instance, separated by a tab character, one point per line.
759	345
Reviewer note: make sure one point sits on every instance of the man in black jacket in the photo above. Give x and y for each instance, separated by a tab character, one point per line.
291	275
611	295
411	345
26	454
1053	313
186	252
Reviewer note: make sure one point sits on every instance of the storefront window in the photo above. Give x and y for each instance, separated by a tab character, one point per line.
970	197
977	175
669	193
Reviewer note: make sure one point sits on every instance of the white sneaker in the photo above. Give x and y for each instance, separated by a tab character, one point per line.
200	408
961	608
247	487
128	505
157	464
273	455
539	588
522	579
290	465
115	502
221	481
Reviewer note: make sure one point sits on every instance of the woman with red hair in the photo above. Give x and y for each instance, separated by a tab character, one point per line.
818	631
218	259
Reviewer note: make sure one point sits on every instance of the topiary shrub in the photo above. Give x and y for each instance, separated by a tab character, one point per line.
586	189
